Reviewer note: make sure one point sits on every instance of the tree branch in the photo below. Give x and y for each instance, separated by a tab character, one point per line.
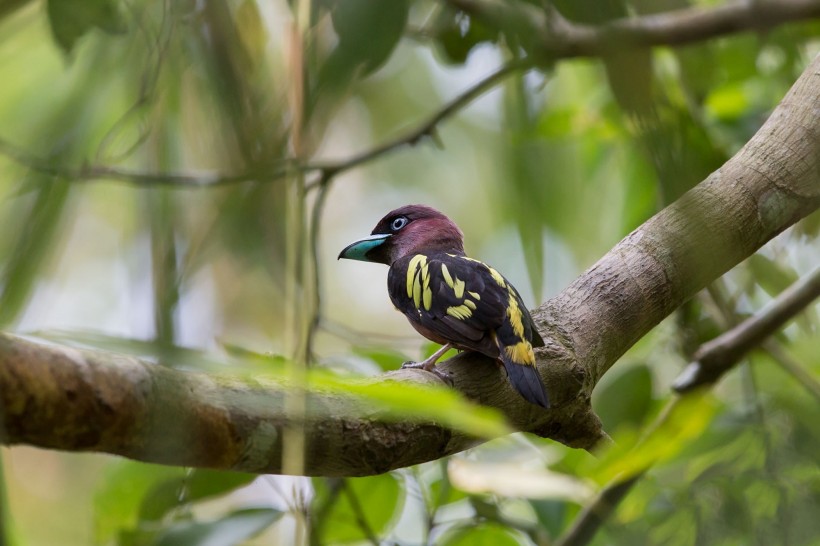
326	170
555	37
63	398
717	356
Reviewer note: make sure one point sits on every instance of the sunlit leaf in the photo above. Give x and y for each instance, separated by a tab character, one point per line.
513	480
683	421
402	401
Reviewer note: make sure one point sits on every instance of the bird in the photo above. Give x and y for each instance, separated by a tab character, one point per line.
450	298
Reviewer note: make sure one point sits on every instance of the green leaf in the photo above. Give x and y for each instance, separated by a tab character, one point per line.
117	502
459	35
354	509
403	401
684	421
386	358
487	534
513	480
624	399
175	355
234	528
551	514
200	484
369	31
71	19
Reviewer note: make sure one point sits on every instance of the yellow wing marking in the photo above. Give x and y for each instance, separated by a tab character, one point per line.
417	291
461	312
447	277
412	268
497	277
514	313
520	353
427	294
476	296
470	304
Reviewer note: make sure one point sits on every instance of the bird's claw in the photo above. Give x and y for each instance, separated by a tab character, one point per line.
428	367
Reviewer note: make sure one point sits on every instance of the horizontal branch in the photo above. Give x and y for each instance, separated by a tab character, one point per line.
558	38
62	398
719	355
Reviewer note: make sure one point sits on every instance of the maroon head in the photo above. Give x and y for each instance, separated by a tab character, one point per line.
407	230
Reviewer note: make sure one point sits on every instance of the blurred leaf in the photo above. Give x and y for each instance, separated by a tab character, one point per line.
772	277
551	514
457	34
685	419
386	358
36	238
381	22
200	484
511	480
442	492
71	19
728	102
232	529
625	399
373	502
178	357
486	534
402	401
117	502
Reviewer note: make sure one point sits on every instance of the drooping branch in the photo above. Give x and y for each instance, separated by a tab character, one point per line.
62	398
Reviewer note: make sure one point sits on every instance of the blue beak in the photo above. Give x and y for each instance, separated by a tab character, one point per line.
358	250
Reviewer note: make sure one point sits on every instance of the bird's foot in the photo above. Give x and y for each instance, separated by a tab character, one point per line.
428	366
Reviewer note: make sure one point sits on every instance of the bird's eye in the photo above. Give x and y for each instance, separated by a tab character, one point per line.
398	223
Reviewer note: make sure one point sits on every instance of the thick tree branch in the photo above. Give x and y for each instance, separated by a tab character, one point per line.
717	356
62	398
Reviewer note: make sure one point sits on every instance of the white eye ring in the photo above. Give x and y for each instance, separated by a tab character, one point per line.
398	223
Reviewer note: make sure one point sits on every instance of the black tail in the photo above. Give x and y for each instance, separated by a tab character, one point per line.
527	382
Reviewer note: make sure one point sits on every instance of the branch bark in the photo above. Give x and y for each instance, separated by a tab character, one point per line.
66	399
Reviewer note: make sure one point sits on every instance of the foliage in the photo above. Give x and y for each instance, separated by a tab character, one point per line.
165	193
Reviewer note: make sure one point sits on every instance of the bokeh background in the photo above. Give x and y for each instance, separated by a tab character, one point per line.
101	99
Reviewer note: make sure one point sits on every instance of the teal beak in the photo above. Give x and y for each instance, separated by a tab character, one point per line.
359	249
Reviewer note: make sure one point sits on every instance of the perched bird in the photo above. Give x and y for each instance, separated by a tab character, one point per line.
452	299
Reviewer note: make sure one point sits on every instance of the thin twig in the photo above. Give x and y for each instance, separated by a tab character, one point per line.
287	166
426	129
595	514
717	356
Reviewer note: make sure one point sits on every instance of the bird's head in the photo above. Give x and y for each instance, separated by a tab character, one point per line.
407	230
